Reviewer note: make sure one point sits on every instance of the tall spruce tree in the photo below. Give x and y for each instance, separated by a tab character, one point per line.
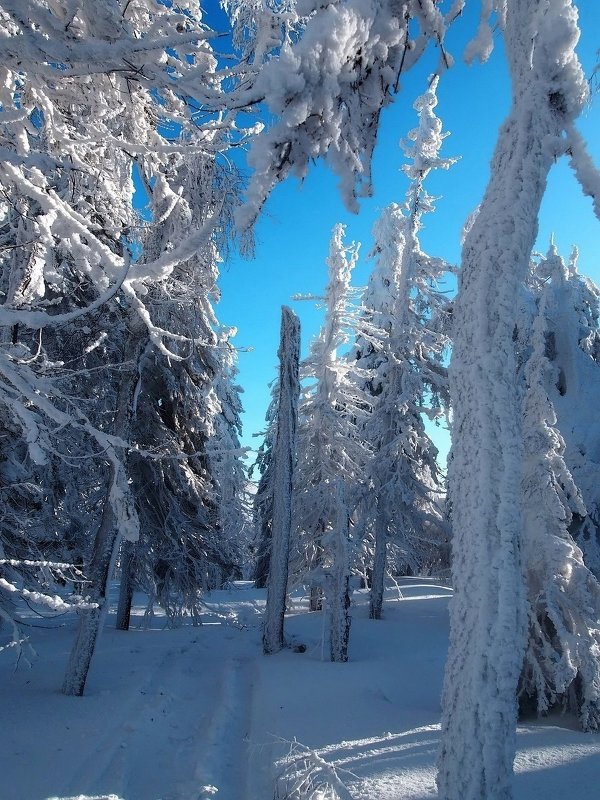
331	451
563	597
572	320
408	315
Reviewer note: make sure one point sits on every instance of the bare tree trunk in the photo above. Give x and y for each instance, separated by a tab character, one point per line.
126	586
315	601
283	469
338	588
379	565
91	620
106	542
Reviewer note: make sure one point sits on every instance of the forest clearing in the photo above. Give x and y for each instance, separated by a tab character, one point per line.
196	713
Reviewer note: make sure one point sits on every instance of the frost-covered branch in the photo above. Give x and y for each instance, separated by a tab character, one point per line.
306	775
328	88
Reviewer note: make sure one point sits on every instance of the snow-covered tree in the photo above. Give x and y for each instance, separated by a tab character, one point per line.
96	95
403	351
262	505
488	611
225	456
181	550
282	475
331	451
562	664
572	319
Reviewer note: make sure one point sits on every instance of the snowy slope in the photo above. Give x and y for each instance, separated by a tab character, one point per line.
200	713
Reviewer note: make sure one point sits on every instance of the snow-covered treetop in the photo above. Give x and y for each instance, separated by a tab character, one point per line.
341	261
402	298
424	142
335	400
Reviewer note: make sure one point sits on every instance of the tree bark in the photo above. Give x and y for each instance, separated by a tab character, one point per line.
379	564
315	600
284	457
338	588
91	620
125	586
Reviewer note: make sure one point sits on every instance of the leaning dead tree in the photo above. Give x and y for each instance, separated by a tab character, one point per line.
284	457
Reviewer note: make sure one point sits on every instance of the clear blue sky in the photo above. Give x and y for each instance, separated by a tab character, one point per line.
293	233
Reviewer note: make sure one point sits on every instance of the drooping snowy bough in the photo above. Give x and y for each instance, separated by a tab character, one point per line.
329	86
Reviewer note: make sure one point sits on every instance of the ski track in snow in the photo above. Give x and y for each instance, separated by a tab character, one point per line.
201	714
163	729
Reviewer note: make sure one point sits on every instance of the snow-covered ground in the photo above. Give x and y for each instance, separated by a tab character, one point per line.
200	714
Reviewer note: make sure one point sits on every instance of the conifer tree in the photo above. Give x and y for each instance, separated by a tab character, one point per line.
408	315
563	597
182	549
331	451
262	506
572	319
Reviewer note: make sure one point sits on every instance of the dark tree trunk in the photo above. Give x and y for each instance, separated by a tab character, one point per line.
338	589
283	469
126	586
379	565
316	599
90	620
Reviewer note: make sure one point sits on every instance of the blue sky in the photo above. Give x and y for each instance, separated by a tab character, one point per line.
293	233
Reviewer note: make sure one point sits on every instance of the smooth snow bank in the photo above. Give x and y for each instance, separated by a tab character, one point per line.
201	714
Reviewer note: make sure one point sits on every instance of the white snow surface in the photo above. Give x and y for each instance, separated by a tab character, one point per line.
200	714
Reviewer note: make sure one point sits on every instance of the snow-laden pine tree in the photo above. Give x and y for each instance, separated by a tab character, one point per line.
488	611
562	659
404	354
181	551
226	466
331	450
283	460
573	332
98	93
262	504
